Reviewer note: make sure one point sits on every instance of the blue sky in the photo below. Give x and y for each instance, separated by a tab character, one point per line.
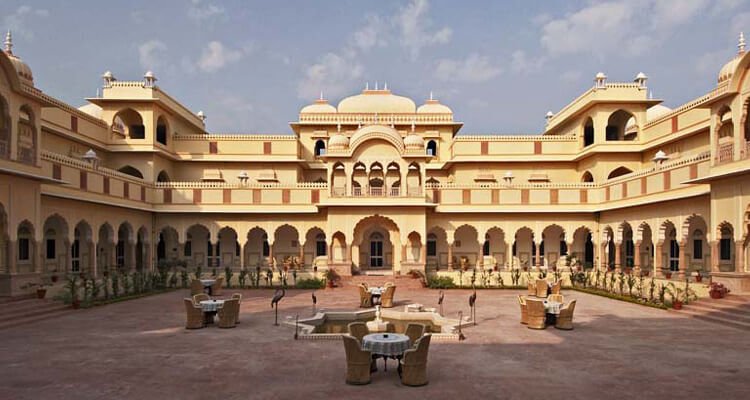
251	65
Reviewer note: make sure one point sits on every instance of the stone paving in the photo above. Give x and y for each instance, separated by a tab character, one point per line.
139	350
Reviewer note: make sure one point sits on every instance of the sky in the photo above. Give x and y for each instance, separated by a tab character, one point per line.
500	65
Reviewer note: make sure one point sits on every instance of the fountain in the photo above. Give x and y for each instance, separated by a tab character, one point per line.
377	325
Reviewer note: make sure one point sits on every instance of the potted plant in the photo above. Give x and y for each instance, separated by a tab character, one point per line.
331	277
668	274
717	290
697	275
464	263
72	287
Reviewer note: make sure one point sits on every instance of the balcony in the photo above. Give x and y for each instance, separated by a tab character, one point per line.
377	191
725	153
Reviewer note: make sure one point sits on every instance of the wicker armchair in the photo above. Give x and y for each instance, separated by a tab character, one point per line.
536	314
216	287
524	313
228	313
386	299
358	330
556	298
413	366
197	298
194	315
541	288
387	284
365	285
357	361
196	287
531	289
414	332
565	319
556	287
238	296
365	299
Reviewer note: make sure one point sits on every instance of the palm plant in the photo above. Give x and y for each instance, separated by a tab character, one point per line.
515	276
242	278
228	276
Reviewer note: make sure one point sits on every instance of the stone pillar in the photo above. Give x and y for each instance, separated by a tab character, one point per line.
603	256
423	255
509	255
112	252
637	255
12	256
37	256
681	259
270	256
537	255
658	264
301	255
180	251
618	256
93	270
242	256
714	256
450	256
480	258
739	257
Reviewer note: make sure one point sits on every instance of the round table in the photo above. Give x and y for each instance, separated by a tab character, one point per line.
386	345
552	309
210	307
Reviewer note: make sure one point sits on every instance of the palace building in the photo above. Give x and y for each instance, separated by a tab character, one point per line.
373	183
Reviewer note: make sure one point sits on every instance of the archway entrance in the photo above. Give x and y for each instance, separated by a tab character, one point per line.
376	244
376	250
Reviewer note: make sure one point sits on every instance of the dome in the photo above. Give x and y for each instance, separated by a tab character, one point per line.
377	101
651	114
338	142
23	70
92	110
320	106
413	141
727	70
433	107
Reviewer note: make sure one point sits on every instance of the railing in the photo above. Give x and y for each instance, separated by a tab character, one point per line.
377	191
725	153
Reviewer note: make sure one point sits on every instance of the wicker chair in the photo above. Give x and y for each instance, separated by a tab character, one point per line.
556	298
556	287
216	287
531	289
565	319
197	298
386	299
358	330
365	285
194	315
238	296
541	288
414	332
536	314
387	284
228	313
196	287
524	313
413	366
357	361
365	299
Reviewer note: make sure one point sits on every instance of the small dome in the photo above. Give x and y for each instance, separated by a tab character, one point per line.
320	106
23	70
433	107
600	75
727	70
92	110
338	142
413	141
377	101
651	114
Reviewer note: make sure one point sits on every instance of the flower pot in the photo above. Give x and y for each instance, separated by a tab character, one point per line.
76	304
715	294
40	293
668	275
54	278
699	278
645	273
329	284
677	305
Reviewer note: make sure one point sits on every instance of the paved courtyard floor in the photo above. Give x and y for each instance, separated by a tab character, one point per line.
139	349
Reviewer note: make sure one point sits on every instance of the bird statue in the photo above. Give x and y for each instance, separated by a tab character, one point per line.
472	304
460	322
314	300
275	303
440	301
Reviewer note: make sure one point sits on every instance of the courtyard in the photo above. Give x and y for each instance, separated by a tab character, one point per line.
140	349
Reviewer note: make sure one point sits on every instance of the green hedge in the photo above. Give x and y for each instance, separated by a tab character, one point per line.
614	296
312	283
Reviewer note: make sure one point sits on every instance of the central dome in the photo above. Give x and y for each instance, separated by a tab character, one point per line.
377	101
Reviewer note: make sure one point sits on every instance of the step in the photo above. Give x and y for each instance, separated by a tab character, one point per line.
733	315
21	314
25	305
4	300
726	307
717	319
35	318
734	299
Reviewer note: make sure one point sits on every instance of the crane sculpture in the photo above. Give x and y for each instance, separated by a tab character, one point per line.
275	304
440	301
472	305
460	322
314	301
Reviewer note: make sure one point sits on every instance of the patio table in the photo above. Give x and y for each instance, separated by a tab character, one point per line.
386	345
552	309
210	308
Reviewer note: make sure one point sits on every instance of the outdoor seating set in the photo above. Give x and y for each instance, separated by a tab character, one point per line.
364	348
374	296
201	310
548	308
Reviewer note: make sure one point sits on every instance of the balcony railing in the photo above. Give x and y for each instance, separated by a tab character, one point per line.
377	191
725	153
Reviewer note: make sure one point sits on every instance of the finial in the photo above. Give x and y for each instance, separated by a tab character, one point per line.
431	98
367	85
321	95
9	43
376	85
740	45
385	86
650	94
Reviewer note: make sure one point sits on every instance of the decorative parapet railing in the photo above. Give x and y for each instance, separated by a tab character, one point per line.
237	136
377	191
514	138
59	104
666	166
725	153
366	119
87	166
225	185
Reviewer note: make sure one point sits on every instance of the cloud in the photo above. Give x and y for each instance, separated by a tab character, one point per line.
740	22
215	57
333	73
472	69
414	27
629	27
200	11
371	34
151	54
22	18
521	63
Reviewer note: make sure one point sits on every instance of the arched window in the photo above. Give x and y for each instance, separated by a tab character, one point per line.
698	245
50	244
24	243
26	136
619	171
320	245
563	247
588	133
674	251
587	177
75	252
431	148
162	130
617	126
431	245
486	246
132	171
188	246
266	246
129	123
161	248
163	177
320	148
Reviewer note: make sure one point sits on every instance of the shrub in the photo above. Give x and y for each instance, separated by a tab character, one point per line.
312	283
441	282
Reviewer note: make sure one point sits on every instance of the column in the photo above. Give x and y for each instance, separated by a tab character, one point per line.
739	257
681	260
423	255
508	255
301	256
112	252
38	257
450	256
242	256
637	255
180	251
658	259
480	257
270	255
13	256
571	253
618	256
603	256
715	256
403	253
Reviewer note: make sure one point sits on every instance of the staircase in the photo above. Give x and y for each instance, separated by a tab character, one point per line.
403	282
23	310
732	311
